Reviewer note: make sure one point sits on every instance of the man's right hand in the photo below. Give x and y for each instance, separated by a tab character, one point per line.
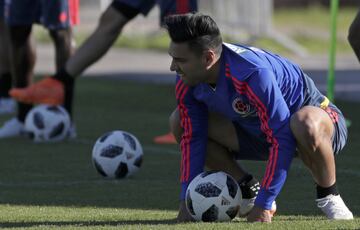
258	214
184	215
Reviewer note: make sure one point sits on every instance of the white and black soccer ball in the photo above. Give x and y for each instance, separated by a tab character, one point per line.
213	196
117	154
47	123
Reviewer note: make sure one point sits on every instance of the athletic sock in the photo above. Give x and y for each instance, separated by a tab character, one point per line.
63	76
323	192
5	84
23	110
249	186
69	84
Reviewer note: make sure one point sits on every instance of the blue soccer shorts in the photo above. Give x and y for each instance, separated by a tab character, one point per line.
314	97
130	8
52	14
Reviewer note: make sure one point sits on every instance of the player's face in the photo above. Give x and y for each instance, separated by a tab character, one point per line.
190	67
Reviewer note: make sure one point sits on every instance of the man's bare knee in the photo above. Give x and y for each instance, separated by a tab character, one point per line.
311	126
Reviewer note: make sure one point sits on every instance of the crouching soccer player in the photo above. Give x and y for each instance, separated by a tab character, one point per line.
236	102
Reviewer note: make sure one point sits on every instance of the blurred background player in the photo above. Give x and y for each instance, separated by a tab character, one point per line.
7	104
59	89
354	35
57	16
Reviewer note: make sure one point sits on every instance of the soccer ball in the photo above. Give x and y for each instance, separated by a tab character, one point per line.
213	196
117	154
47	123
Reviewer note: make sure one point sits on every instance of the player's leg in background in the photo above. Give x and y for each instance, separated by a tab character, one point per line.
21	14
57	18
354	35
54	90
5	78
110	25
64	45
64	48
22	63
19	18
7	104
109	28
313	130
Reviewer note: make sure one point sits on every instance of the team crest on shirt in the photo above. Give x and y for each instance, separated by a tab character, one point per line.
242	108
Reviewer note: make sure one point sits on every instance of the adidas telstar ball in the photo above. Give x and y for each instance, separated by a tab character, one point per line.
47	123
213	196
117	154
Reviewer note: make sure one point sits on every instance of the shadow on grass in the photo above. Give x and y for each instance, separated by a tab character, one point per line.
86	223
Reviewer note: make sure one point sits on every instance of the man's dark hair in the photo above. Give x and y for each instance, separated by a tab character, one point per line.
198	30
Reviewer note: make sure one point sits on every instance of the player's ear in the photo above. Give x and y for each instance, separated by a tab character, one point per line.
210	58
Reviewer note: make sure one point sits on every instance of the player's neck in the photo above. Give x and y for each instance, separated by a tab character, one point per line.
214	73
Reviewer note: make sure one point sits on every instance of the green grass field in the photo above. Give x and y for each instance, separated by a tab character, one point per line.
45	186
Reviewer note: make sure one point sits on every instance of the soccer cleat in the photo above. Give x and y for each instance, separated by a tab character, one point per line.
247	204
47	91
12	128
168	138
249	189
334	208
7	105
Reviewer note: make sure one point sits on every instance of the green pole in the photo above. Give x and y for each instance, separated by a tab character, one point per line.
332	53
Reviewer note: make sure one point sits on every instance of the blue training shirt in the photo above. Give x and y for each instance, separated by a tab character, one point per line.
259	91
